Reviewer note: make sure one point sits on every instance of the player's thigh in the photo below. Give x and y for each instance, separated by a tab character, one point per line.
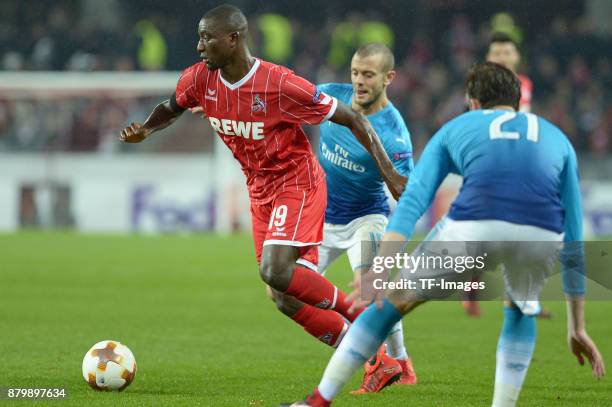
296	219
327	255
273	259
414	293
260	217
337	238
367	233
427	273
526	253
528	264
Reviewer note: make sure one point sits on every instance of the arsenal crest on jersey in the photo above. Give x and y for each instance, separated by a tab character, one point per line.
258	104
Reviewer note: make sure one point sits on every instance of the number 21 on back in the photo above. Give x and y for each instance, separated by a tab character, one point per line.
495	129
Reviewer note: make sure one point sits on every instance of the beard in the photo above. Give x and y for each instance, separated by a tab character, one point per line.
375	98
212	66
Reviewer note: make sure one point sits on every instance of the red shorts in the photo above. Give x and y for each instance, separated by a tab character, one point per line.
293	218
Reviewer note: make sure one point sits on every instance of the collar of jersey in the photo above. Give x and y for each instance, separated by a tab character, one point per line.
381	111
244	79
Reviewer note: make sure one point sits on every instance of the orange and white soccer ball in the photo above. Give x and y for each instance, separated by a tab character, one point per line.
109	365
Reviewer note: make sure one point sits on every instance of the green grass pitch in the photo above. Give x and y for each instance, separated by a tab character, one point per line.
194	312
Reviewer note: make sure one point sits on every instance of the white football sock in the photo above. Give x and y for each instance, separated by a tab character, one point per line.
356	347
395	342
514	351
364	337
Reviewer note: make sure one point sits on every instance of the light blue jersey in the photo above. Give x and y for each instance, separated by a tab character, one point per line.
516	167
355	187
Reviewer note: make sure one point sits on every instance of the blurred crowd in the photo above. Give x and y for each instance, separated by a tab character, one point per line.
569	64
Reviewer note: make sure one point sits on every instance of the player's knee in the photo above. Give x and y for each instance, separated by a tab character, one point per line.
277	264
267	270
404	303
276	273
286	304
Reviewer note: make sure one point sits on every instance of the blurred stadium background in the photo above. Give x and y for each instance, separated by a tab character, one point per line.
74	72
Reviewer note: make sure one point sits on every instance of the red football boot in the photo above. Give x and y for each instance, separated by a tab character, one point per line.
380	371
409	376
314	400
544	314
472	308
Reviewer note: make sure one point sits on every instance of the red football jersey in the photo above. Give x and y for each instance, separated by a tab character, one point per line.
259	118
526	90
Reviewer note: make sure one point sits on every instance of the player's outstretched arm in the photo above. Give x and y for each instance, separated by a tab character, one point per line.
573	270
579	341
362	129
161	117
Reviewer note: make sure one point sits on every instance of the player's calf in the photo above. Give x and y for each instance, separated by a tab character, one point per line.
284	303
514	351
327	326
280	271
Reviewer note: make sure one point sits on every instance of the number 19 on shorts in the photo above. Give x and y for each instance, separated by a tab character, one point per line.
278	217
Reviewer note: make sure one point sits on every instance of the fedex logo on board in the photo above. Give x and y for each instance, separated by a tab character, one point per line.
248	130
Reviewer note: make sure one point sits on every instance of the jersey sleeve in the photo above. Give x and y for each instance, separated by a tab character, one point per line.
185	93
399	149
341	91
433	166
327	88
572	254
301	102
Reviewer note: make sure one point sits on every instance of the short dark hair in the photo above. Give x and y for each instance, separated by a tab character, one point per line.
229	16
377	48
493	85
502	37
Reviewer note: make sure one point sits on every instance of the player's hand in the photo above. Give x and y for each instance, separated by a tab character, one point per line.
354	297
134	133
198	110
365	280
582	345
396	185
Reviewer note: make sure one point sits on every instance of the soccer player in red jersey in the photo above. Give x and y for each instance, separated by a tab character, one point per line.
257	108
504	50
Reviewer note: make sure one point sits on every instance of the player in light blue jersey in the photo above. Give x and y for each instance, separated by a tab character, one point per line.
520	184
357	206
